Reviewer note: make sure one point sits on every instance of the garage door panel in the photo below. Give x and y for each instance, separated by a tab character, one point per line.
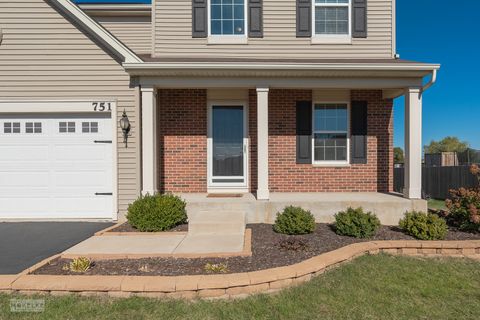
53	174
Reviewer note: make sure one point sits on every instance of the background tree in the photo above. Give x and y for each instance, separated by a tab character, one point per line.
447	144
398	156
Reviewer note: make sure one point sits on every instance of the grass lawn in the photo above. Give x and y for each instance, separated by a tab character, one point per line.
436	204
371	287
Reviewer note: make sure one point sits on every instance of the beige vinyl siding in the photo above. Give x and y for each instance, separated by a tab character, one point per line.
173	34
44	57
134	32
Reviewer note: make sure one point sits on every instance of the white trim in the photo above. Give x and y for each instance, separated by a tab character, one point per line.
68	107
394	28
332	38
328	163
98	31
246	159
215	39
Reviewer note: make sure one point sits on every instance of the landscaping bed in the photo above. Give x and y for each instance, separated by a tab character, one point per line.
269	250
127	227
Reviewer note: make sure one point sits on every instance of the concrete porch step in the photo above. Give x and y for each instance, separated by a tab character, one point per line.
217	222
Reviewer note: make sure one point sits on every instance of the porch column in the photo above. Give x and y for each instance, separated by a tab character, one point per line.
413	143
263	192
149	140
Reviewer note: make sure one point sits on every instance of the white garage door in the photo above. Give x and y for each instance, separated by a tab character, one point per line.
56	167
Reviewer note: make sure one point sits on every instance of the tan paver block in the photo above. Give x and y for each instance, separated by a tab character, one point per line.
160	284
134	283
390	250
309	266
190	295
6	281
119	294
187	283
302	279
65	293
468	251
91	293
214	281
392	244
210	293
279	284
94	283
432	244
237	279
263	276
451	251
151	295
409	251
428	251
248	289
40	282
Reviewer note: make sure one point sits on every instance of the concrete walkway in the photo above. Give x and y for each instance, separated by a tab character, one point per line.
209	232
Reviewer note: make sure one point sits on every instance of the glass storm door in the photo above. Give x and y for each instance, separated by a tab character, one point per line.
228	146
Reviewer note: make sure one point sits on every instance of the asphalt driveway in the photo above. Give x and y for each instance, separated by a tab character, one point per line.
22	244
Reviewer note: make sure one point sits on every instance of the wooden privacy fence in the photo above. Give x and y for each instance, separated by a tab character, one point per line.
436	181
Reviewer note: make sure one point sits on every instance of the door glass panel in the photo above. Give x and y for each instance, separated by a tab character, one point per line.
227	138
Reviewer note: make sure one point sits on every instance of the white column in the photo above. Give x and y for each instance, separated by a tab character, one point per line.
263	192
149	140
413	143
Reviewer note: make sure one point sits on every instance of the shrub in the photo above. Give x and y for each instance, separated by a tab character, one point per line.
157	212
424	226
79	265
464	209
356	223
294	220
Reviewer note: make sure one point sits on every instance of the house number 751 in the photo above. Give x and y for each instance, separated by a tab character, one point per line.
102	106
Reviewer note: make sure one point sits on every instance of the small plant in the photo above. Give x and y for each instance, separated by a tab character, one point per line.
294	220
295	244
356	223
79	265
216	268
160	212
424	226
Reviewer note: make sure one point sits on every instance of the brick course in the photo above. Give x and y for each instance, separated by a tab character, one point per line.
183	145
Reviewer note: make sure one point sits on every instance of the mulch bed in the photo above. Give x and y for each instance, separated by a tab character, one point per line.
266	248
126	227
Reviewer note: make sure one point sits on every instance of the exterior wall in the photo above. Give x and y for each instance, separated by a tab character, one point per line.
288	176
134	32
44	57
173	34
183	140
183	154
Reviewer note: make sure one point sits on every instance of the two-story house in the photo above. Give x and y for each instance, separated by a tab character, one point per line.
277	100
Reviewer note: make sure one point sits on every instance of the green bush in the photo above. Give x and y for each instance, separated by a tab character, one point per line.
424	226
159	212
294	220
356	223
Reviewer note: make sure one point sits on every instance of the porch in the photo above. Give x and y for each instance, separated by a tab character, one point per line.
389	207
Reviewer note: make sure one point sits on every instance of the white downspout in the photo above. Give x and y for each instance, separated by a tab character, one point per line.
430	83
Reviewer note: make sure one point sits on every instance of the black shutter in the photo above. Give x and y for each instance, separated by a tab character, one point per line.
255	18
359	114
199	19
304	132
304	18
359	13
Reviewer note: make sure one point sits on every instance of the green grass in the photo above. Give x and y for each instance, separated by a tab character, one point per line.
371	287
436	204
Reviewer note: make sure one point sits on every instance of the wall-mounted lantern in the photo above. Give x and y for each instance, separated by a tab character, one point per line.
125	126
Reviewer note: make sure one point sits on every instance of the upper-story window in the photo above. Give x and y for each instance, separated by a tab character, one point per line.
332	19
227	17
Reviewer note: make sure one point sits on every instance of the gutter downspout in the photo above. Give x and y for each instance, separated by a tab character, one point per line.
432	81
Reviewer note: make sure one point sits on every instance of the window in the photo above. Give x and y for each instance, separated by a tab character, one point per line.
11	127
330	136
64	127
33	127
332	17
89	127
227	17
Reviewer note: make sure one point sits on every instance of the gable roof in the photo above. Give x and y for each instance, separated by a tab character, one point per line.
97	31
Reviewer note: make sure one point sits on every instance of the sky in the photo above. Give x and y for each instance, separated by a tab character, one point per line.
430	32
445	34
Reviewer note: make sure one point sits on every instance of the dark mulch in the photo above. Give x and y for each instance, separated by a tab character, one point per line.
269	251
127	227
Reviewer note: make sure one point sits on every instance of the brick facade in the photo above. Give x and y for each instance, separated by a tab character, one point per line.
183	146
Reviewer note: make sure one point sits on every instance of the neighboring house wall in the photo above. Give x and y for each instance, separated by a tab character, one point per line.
44	57
134	32
183	141
173	34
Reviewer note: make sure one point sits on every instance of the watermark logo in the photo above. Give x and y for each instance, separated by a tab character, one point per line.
27	305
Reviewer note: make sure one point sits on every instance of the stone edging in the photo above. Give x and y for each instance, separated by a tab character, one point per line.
228	285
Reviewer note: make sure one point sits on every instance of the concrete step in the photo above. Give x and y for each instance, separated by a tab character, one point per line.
217	222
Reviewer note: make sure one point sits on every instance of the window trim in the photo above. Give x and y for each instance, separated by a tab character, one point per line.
227	38
330	163
332	38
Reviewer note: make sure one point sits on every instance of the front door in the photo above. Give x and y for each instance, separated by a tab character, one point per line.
227	147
